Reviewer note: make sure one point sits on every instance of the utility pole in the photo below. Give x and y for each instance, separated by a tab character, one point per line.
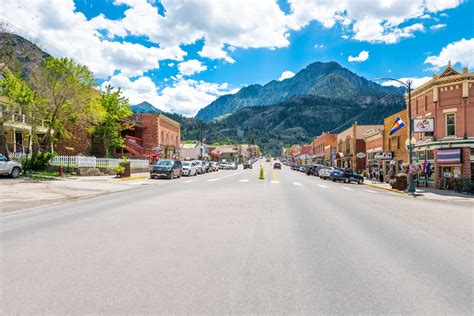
200	143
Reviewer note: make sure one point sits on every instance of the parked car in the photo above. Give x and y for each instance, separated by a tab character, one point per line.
167	168
325	172
277	165
189	168
200	166
207	166
233	166
248	165
312	169
215	166
346	175
9	167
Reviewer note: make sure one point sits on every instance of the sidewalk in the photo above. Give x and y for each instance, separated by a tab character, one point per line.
427	193
24	193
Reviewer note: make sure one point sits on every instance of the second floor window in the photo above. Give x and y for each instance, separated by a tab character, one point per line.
450	124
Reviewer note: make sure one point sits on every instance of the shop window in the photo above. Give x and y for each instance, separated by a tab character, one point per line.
389	144
398	142
429	155
472	170
450	124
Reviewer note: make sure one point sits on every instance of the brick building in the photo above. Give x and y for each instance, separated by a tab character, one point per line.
373	138
351	147
448	99
324	148
394	146
153	132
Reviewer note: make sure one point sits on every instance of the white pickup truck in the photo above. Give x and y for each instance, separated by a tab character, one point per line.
9	167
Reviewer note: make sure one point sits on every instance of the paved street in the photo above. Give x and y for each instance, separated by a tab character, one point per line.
228	242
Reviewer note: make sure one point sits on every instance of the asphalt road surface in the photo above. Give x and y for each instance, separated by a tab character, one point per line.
228	242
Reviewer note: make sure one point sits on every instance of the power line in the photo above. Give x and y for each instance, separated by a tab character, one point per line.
365	111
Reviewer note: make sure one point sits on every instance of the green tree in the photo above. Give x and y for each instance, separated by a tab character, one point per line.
66	89
18	97
116	109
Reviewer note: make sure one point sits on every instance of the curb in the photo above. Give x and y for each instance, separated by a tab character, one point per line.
386	189
131	178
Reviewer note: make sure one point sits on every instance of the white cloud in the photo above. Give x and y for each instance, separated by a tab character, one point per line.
184	96
215	52
437	26
379	21
286	75
460	51
62	31
318	46
191	67
416	82
363	56
244	24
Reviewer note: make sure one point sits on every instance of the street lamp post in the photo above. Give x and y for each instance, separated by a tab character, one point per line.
408	84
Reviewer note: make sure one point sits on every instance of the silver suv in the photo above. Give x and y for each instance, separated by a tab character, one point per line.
9	167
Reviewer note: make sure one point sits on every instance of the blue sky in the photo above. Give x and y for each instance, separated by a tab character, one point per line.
181	55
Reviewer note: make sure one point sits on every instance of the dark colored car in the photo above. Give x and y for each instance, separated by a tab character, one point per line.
277	165
346	175
248	165
313	169
167	168
207	166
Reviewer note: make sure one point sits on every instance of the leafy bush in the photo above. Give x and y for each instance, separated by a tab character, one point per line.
39	162
393	183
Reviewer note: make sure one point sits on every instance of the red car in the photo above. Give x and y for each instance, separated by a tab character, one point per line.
277	165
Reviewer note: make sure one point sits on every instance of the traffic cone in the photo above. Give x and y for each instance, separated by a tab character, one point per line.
262	175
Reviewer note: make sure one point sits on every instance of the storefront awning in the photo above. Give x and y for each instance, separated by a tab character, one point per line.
448	156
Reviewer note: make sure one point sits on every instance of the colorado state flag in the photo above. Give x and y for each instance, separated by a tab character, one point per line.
398	124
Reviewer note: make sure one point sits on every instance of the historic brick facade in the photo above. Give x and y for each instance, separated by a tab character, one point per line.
448	99
395	143
351	142
155	132
78	142
323	145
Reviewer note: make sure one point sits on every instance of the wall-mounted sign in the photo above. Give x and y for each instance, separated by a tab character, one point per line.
360	155
385	155
423	125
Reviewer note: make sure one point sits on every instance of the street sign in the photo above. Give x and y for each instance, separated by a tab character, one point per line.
360	155
384	156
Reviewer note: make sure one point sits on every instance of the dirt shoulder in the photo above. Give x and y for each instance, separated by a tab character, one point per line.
24	193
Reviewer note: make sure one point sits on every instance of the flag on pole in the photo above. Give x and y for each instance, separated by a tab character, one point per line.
397	125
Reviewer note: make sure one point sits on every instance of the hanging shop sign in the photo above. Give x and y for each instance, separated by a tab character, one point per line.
384	155
360	155
424	125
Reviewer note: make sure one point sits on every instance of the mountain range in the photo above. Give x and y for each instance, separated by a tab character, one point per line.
320	98
329	80
144	107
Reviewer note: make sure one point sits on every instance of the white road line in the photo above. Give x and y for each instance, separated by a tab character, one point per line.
244	180
296	183
138	183
370	191
322	186
230	175
275	182
188	181
346	188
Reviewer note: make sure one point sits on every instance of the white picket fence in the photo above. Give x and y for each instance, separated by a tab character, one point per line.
88	161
